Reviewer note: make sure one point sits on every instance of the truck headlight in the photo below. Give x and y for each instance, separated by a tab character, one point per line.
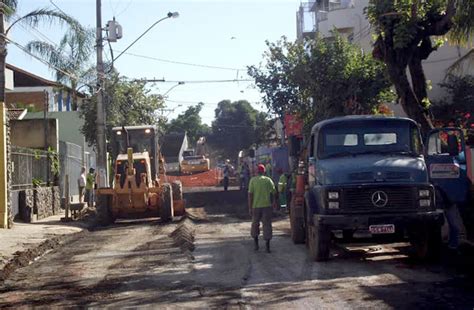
425	202
333	195
424	193
333	205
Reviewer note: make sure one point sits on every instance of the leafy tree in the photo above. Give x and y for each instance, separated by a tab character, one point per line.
128	103
33	19
458	107
191	122
71	56
235	127
405	33
318	79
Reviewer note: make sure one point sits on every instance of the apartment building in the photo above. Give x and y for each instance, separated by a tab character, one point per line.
347	17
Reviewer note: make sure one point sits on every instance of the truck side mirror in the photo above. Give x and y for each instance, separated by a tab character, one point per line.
453	145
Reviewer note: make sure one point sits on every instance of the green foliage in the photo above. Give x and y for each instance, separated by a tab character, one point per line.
235	127
70	56
37	182
319	79
127	103
191	122
407	32
53	157
459	105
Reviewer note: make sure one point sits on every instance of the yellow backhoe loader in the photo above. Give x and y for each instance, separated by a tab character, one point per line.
137	190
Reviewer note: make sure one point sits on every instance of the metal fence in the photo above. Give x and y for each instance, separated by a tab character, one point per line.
71	161
30	167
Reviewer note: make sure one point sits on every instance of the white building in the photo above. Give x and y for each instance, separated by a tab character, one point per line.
347	17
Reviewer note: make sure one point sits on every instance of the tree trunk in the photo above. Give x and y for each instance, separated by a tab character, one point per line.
408	100
3	57
418	81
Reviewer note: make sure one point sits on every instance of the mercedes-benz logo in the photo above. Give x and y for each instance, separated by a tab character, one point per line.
379	199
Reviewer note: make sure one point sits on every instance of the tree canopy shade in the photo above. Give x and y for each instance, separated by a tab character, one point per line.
405	30
237	126
128	103
191	122
318	79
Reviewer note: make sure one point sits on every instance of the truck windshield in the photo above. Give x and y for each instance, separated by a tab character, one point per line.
356	138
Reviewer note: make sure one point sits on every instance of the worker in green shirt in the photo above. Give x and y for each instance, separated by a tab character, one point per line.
262	196
282	183
90	182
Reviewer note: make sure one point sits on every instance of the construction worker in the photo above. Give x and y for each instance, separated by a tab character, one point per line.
268	169
226	173
90	185
262	196
81	184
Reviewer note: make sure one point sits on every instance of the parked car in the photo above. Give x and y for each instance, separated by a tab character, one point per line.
196	163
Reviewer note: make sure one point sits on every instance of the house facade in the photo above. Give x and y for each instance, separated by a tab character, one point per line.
347	17
37	94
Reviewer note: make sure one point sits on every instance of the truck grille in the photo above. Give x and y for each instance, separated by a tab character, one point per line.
360	199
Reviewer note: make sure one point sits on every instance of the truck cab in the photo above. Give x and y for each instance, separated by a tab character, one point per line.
369	173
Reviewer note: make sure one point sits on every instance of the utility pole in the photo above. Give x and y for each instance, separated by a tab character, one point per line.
100	123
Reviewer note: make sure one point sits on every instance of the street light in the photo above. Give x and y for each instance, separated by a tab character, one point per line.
169	15
174	86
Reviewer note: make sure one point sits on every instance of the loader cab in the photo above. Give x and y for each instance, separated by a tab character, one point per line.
141	139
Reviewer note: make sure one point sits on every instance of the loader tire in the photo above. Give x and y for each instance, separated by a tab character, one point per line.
166	208
177	187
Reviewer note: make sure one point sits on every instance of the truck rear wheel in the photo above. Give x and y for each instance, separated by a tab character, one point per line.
319	240
426	242
166	208
297	229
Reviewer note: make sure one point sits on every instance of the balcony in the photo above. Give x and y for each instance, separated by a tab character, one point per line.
332	5
306	21
336	14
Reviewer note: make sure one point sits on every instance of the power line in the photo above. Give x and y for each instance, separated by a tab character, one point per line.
197	102
181	62
208	81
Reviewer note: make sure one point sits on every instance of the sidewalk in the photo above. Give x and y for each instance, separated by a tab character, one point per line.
26	241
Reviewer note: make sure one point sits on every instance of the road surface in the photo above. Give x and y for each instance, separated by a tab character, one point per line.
207	261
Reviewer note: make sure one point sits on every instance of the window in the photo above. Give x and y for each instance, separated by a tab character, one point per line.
380	138
341	140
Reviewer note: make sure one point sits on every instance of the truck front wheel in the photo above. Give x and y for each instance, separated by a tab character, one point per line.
426	242
319	240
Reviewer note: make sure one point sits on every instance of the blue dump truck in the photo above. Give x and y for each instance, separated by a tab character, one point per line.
373	174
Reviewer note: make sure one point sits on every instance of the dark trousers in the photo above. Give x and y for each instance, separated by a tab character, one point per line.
226	183
265	216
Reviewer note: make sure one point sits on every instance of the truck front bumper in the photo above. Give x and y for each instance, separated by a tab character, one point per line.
363	221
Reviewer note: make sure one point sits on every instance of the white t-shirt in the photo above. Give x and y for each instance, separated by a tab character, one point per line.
82	180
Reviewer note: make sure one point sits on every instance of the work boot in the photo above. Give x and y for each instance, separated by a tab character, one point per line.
267	245
256	243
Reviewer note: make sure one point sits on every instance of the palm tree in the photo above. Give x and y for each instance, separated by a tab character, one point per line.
70	56
33	19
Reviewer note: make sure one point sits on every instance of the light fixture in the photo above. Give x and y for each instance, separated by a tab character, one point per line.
173	14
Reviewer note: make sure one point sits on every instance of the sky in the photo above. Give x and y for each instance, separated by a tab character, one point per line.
229	34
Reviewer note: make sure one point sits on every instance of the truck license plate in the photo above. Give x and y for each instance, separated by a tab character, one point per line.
382	229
